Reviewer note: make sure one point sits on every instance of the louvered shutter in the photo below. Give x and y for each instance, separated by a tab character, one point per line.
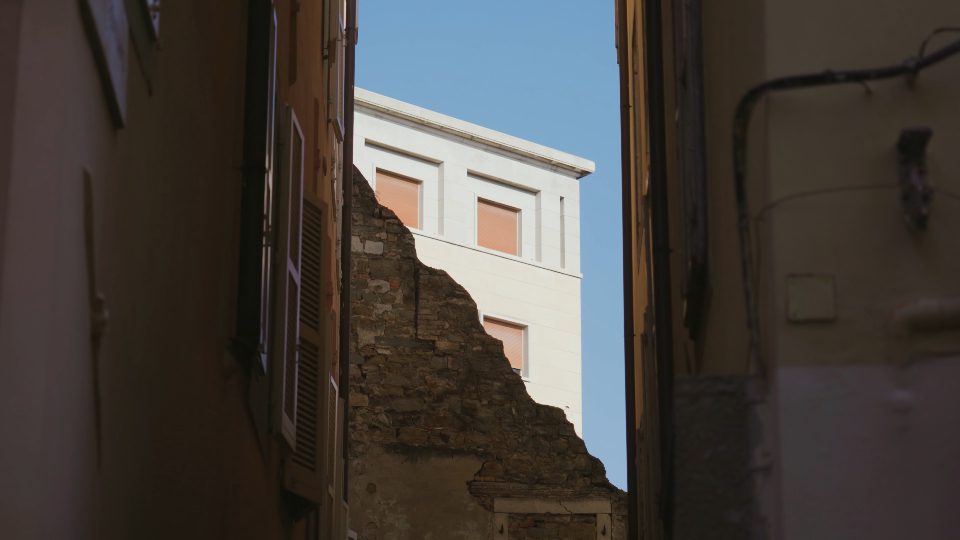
286	327
304	470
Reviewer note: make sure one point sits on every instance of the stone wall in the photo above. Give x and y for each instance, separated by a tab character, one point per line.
443	433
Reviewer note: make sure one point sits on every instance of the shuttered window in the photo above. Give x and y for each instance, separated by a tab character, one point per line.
402	195
304	473
512	336
498	227
287	325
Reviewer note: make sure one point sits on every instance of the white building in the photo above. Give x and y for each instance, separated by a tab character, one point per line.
502	216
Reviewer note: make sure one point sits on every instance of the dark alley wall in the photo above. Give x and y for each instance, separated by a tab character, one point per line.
135	421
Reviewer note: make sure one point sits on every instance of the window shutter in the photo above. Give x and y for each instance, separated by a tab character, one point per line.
512	336
401	195
304	471
498	227
286	328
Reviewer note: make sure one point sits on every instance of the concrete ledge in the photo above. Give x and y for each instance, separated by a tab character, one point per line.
551	506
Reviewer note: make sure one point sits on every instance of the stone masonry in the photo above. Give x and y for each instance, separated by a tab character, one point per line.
445	442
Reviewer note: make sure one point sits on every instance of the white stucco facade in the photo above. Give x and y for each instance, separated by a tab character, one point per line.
457	163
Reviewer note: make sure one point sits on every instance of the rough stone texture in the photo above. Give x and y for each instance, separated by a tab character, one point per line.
438	417
713	491
553	526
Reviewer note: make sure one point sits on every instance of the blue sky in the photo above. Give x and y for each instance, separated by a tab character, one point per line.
543	70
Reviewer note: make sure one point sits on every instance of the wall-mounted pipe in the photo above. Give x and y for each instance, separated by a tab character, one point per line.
741	126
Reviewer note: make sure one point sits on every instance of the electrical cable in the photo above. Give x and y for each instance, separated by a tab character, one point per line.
741	125
935	33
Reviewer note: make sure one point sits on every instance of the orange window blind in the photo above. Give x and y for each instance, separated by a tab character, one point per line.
498	227
512	337
401	195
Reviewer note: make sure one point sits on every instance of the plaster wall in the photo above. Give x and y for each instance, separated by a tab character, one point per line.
422	496
151	438
539	288
869	451
833	205
822	184
733	61
865	407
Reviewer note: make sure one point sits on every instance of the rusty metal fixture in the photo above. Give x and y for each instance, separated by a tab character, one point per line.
915	191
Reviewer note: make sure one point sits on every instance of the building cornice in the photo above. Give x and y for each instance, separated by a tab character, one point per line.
578	166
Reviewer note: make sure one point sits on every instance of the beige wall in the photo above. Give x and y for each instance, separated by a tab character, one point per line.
866	409
831	139
853	396
178	455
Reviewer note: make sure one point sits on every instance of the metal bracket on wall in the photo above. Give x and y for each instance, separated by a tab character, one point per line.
915	192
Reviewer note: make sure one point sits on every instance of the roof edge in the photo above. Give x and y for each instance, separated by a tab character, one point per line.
579	166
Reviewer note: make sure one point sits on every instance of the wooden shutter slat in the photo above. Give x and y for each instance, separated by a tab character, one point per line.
304	472
305	454
311	266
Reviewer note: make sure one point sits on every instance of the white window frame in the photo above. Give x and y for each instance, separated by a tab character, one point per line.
286	274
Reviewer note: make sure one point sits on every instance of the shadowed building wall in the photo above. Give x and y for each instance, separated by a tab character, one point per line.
838	393
125	401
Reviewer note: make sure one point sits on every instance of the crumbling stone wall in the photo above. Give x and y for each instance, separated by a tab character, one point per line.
561	527
442	430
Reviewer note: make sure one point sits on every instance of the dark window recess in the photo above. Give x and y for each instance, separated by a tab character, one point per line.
688	47
257	240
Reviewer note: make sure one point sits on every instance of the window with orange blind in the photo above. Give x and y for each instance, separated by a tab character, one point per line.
498	227
512	337
400	194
